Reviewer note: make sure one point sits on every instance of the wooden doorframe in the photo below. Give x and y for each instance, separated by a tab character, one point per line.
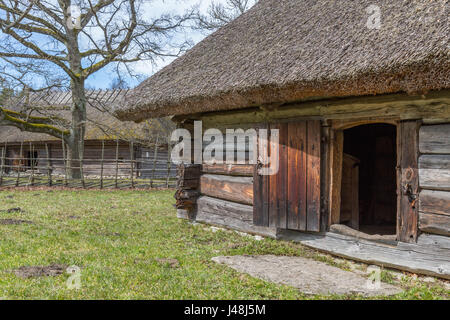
336	151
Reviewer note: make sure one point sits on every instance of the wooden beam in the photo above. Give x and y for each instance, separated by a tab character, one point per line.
434	172
437	202
337	151
434	223
229	169
408	154
435	139
237	189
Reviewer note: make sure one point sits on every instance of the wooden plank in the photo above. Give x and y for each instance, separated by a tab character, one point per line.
437	202
313	176
434	223
237	189
409	186
325	177
230	215
245	170
414	258
261	183
277	189
434	172
337	152
435	139
296	175
435	241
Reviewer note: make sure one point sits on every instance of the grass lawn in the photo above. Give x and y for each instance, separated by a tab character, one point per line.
118	239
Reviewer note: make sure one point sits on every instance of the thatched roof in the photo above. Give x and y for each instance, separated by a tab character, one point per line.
296	50
101	123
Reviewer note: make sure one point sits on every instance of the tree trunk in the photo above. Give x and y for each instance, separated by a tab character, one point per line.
76	140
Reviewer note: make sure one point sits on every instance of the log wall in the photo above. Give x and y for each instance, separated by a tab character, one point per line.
434	179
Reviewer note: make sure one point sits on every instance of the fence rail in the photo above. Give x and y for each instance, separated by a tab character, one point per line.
42	169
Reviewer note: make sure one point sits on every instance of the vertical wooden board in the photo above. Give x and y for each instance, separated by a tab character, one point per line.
409	181
260	189
296	176
278	182
313	176
337	153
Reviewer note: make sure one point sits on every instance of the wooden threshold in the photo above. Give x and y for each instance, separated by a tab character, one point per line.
430	256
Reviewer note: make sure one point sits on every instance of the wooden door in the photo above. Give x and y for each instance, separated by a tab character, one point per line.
290	199
407	180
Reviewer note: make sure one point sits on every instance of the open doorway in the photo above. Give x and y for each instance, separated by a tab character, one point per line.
369	181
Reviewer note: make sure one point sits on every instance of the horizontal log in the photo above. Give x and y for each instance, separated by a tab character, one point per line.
237	189
229	169
434	223
435	139
435	202
434	172
230	215
441	161
189	172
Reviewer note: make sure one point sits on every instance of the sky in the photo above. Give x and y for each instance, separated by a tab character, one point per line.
103	78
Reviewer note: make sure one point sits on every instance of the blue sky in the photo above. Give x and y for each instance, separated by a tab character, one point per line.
103	78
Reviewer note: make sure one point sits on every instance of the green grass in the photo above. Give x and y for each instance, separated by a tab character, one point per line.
117	237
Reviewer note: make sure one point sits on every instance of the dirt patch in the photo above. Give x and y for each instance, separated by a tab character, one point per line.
172	263
14	210
309	276
15	221
53	270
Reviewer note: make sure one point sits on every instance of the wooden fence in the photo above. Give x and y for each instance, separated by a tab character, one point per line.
150	169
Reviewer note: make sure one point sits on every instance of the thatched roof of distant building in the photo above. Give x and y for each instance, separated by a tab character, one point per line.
297	50
101	123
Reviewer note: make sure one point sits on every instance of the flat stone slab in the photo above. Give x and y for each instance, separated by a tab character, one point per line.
309	276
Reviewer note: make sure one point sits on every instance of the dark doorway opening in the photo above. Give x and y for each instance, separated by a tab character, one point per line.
31	159
369	180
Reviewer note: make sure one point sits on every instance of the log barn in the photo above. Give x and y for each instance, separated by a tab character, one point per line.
360	95
145	143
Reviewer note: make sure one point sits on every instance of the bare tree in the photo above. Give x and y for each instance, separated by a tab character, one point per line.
219	14
48	44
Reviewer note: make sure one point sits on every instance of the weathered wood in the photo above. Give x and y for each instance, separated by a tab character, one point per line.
434	223
313	174
296	176
188	172
49	169
102	164
155	157
437	202
435	139
409	186
435	241
434	172
433	107
423	259
325	176
245	170
261	183
237	189
169	162
230	215
2	163
278	181
350	191
337	152
116	177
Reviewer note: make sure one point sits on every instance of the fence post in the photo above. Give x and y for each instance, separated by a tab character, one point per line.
155	159
117	162
64	160
169	163
2	165
20	162
31	159
101	164
132	163
49	170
